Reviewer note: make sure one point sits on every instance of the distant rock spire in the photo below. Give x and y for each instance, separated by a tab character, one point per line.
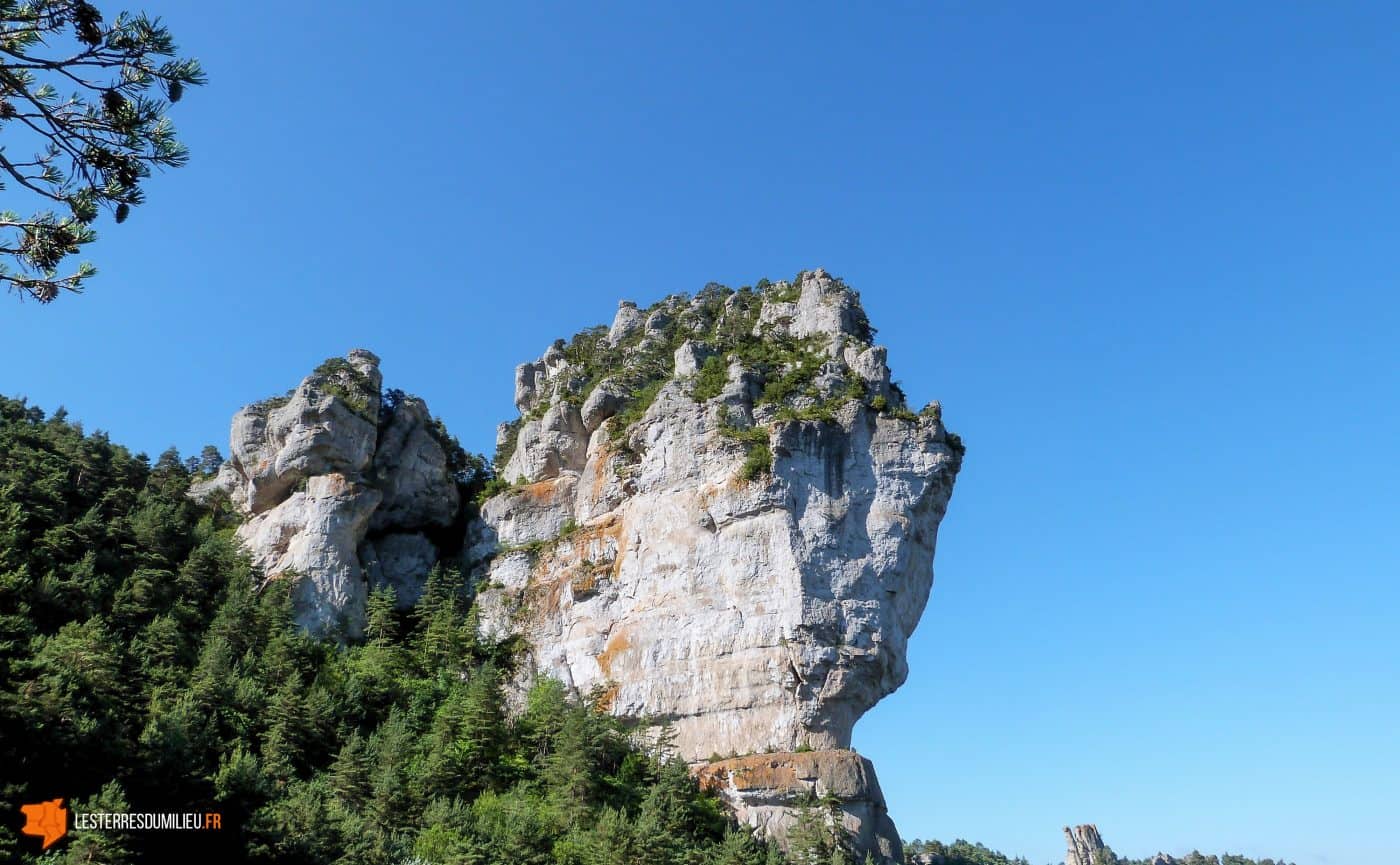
1085	845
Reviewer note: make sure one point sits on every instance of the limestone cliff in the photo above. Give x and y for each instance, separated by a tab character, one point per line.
722	516
340	490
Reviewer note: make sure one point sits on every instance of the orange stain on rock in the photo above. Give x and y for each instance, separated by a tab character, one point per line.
618	643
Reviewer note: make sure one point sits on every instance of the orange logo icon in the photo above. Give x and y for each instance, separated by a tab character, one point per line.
48	820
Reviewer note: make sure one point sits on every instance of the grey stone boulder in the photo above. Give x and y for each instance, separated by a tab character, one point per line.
607	399
555	443
529	379
690	357
870	365
628	321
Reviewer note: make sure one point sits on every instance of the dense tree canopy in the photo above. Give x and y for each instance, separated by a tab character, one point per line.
960	852
83	104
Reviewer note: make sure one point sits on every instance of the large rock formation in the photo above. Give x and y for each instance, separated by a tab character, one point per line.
722	517
1085	847
718	514
339	490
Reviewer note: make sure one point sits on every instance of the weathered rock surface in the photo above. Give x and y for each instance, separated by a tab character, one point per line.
1085	847
410	468
327	491
766	791
743	559
400	561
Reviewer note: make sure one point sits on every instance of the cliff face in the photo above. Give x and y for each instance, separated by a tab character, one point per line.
643	554
723	517
338	491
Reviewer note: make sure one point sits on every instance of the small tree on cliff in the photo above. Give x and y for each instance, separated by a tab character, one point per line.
88	150
1105	856
817	836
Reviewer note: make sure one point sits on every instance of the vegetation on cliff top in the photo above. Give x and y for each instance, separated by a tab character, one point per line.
721	321
340	378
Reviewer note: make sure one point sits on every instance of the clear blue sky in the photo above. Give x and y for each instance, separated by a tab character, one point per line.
1146	254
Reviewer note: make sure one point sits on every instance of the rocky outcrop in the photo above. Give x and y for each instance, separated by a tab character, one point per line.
723	517
1085	847
337	488
718	514
766	791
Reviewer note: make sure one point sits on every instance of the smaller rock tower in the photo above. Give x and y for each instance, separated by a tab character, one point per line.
1085	845
341	490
